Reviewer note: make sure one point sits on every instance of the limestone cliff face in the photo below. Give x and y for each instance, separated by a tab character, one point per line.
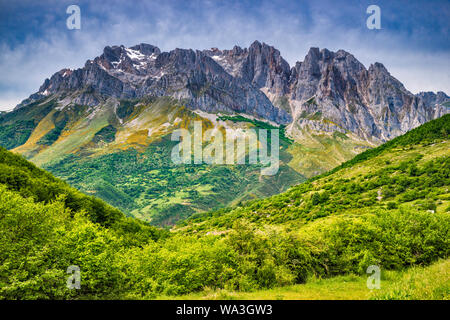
260	64
328	91
369	102
142	70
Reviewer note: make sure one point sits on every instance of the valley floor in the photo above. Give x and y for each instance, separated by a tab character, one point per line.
416	283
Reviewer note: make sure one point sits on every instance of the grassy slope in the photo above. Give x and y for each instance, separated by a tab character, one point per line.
46	225
66	142
318	153
411	170
131	168
416	283
30	182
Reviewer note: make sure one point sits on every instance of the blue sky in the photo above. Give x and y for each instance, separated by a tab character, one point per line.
413	43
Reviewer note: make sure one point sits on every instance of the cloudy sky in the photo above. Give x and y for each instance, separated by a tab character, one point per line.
413	42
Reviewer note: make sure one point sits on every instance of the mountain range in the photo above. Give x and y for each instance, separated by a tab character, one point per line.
105	127
256	81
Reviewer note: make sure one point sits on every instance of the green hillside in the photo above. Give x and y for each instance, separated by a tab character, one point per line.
146	184
120	152
28	181
387	207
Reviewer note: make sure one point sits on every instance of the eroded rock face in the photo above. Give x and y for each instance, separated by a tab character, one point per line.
327	91
333	90
260	64
142	70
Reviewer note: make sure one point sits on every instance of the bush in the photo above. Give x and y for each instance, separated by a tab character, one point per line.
390	239
392	205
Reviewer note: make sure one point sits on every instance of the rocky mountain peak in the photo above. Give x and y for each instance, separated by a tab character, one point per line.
261	65
146	49
257	81
431	98
256	45
378	67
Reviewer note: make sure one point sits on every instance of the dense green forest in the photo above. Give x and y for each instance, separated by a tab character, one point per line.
388	207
